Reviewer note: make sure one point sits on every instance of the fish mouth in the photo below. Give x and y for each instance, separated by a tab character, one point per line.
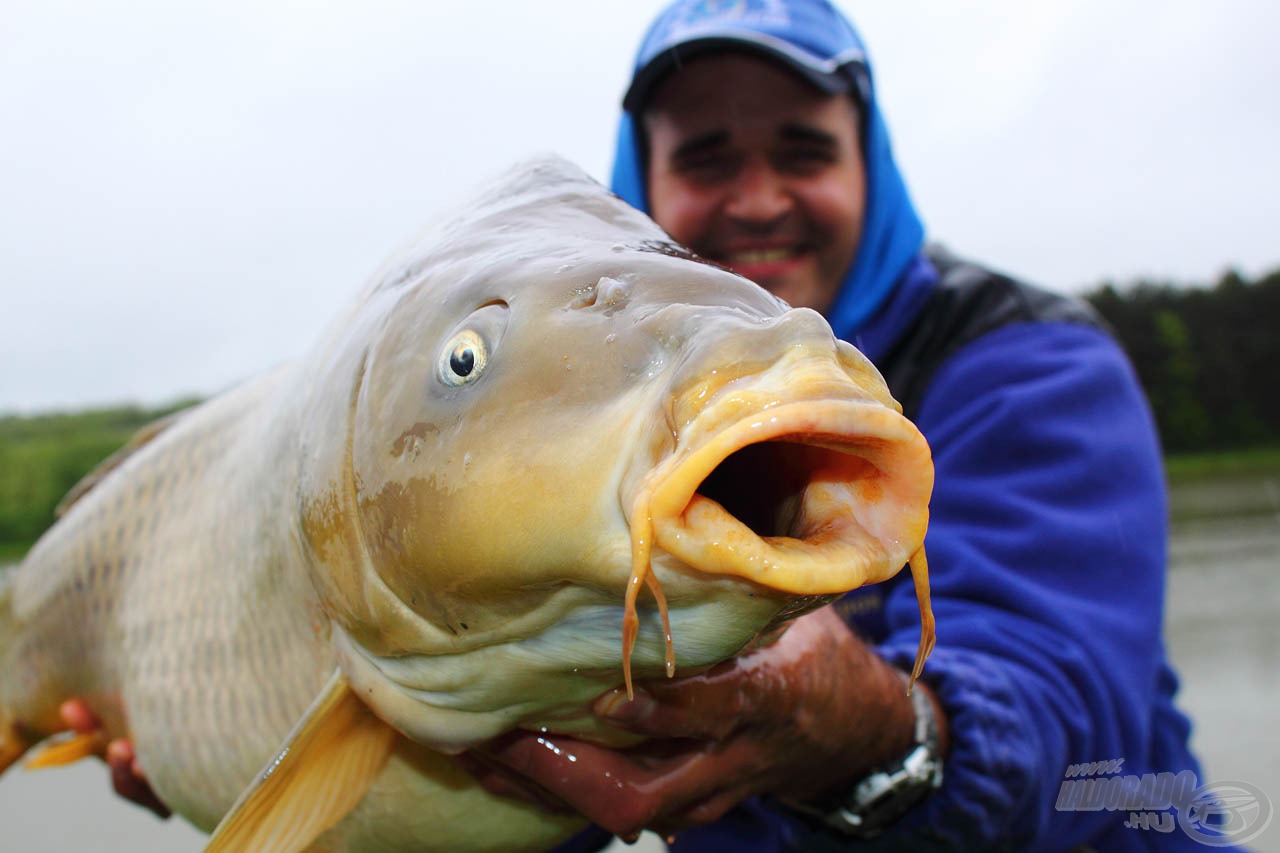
809	498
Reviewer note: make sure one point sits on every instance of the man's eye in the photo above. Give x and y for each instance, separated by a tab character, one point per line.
706	168
805	159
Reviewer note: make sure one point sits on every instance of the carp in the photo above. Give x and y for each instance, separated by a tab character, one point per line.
546	451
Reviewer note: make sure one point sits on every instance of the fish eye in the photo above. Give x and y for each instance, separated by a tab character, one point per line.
464	358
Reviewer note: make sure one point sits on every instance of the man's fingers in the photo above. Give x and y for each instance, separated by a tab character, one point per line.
667	786
599	783
77	716
128	780
502	783
702	707
126	774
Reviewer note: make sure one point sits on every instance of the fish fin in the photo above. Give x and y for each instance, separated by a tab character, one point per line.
137	441
66	750
319	775
12	745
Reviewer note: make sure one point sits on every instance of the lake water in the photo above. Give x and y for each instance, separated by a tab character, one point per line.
1222	624
1222	628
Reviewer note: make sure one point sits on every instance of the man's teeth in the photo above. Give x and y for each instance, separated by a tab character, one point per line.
761	256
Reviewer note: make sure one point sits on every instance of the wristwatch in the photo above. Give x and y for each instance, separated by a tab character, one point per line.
886	794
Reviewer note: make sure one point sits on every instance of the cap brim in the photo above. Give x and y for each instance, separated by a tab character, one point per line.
824	76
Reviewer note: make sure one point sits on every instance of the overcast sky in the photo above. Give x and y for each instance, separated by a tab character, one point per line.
189	191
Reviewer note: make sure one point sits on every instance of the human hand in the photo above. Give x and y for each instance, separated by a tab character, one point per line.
126	775
803	717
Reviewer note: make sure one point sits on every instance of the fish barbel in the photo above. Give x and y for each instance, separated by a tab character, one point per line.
546	451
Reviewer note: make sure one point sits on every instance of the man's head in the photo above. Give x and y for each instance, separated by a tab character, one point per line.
751	141
751	134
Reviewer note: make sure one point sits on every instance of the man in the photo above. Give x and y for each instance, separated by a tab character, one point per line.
751	133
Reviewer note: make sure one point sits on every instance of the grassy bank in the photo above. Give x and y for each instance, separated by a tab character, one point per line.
1190	468
1240	484
43	456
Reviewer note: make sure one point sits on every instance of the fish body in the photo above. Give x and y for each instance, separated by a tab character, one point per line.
455	515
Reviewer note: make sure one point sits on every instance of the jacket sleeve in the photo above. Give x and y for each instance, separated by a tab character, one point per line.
1047	545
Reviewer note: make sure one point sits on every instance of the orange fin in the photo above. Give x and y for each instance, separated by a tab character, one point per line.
12	746
323	770
67	749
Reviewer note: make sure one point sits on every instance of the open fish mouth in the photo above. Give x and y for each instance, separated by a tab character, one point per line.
810	498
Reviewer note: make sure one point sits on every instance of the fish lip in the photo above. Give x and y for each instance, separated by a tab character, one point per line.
849	551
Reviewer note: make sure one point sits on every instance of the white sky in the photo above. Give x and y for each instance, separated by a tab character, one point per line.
189	191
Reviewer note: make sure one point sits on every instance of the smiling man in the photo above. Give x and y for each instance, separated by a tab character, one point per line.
752	134
755	169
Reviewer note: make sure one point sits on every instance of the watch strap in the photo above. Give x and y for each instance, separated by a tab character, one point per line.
886	793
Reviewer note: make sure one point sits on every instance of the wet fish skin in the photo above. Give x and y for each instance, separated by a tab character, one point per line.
134	601
459	552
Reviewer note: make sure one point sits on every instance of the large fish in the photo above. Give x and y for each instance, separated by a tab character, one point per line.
539	434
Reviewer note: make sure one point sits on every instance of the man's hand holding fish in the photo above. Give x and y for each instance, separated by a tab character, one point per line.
800	715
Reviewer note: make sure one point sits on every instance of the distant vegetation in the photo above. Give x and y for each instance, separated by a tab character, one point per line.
43	456
1206	356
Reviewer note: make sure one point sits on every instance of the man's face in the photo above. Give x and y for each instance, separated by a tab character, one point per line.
752	167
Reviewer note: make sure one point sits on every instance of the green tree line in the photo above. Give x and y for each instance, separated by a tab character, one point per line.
1207	357
43	456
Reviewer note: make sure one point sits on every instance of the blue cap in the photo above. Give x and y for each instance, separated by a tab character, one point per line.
810	38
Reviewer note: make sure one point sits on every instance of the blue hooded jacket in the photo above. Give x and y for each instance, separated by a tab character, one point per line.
1048	533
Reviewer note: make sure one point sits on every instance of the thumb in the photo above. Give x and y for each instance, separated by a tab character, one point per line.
703	706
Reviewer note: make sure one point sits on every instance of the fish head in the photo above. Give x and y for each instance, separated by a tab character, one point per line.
546	405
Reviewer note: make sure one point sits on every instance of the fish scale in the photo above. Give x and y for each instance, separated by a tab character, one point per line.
154	582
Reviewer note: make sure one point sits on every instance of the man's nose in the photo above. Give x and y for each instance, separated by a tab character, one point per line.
759	196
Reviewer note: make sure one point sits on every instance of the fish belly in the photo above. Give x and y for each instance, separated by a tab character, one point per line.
424	801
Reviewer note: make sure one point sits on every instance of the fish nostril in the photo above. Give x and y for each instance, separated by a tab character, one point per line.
608	295
583	297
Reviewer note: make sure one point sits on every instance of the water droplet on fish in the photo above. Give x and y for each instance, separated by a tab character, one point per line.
610	338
